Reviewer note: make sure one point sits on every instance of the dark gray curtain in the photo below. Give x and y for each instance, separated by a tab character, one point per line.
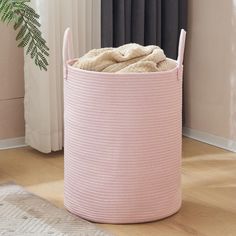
145	22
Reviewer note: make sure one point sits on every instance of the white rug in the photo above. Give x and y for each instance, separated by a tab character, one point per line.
25	214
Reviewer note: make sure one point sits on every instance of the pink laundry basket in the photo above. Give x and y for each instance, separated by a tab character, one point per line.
122	142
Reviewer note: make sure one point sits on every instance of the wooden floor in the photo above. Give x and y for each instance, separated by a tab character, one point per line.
209	189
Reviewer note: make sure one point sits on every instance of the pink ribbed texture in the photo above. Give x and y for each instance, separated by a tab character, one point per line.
122	145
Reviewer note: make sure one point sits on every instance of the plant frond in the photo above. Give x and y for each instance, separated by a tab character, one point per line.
26	21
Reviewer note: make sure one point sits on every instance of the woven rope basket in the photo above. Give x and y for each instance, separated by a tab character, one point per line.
122	142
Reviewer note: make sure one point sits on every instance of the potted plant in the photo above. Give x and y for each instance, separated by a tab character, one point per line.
25	20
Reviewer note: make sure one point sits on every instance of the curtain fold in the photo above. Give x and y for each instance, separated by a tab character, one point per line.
44	90
145	22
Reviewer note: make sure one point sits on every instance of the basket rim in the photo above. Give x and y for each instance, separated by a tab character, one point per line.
131	74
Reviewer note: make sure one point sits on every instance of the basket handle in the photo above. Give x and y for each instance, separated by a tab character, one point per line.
67	51
181	53
181	47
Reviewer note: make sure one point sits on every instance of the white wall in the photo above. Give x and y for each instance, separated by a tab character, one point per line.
210	69
11	85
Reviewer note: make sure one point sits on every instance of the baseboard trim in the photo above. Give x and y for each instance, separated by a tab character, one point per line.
217	141
12	143
214	140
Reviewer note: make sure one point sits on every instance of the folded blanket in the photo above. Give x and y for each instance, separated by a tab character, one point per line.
127	58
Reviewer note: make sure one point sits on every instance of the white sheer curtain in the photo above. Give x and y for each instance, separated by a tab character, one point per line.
44	90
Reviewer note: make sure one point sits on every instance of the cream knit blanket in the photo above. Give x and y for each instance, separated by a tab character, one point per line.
127	58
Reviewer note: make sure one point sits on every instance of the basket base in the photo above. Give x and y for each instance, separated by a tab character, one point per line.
120	220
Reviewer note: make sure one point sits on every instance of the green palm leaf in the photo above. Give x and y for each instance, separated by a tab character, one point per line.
26	21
